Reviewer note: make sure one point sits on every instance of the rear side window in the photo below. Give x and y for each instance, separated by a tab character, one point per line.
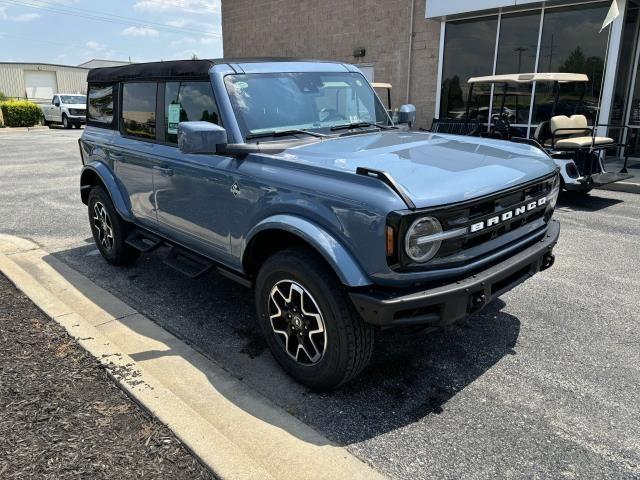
100	99
187	101
139	109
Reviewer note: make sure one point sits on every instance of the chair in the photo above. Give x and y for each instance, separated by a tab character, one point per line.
570	133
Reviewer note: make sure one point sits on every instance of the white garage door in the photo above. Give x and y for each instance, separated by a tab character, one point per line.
40	85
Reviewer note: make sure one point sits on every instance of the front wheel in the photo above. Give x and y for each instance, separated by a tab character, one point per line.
109	230
65	122
308	321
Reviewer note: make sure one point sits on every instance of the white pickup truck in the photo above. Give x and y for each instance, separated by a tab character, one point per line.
66	109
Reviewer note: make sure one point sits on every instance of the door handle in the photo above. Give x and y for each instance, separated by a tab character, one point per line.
116	157
164	170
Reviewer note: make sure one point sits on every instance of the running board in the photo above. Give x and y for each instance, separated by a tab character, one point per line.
143	241
187	263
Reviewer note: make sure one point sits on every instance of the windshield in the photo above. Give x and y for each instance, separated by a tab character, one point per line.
278	102
73	99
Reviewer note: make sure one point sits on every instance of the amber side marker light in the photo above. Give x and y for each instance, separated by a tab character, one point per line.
391	242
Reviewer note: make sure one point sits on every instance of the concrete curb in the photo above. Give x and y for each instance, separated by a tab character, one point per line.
22	129
231	428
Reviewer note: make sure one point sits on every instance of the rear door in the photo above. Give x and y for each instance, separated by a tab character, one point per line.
192	192
134	153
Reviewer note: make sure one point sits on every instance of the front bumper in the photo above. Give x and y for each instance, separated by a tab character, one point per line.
446	304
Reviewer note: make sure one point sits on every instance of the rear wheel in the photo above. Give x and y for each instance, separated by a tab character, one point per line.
308	321
109	230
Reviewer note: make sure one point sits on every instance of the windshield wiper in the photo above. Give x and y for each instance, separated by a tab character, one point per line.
284	133
360	125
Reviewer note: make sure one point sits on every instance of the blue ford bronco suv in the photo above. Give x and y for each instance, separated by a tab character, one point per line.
288	176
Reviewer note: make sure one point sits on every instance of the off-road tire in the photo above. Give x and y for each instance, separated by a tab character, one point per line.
349	340
117	252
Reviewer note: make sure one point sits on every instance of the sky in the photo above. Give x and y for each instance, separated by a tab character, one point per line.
70	32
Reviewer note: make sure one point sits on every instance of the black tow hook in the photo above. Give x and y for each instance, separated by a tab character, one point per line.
547	261
477	301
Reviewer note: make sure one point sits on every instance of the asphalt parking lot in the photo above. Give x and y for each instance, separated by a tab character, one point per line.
543	383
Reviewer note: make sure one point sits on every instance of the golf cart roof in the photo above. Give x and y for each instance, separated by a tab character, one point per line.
531	77
381	85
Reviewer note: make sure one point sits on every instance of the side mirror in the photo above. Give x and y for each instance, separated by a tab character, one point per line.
407	114
200	137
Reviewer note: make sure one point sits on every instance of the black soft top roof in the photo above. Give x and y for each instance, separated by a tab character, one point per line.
151	71
172	69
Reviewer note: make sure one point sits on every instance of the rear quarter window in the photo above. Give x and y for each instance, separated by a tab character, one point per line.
100	100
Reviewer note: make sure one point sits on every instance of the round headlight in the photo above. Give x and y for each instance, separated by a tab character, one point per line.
555	191
417	244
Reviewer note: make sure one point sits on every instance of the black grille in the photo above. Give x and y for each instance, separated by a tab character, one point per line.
467	248
470	214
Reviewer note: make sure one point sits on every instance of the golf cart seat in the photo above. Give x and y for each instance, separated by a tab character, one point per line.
570	133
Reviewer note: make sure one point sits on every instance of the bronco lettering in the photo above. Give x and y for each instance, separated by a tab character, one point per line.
504	216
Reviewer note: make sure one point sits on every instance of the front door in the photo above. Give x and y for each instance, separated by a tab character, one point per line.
192	197
192	192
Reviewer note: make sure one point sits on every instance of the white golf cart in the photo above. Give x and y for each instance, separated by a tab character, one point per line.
568	139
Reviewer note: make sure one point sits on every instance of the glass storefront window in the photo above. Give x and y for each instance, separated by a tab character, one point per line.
571	43
625	63
518	42
517	48
469	52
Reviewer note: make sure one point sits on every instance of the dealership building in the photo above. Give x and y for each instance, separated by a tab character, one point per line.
429	49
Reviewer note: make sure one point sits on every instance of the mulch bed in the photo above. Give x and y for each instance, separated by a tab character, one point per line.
61	417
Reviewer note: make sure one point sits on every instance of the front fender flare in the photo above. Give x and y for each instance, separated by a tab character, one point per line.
111	185
333	251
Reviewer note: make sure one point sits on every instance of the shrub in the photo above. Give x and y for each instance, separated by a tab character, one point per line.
3	97
20	113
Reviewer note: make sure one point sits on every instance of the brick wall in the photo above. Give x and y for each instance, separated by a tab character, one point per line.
333	29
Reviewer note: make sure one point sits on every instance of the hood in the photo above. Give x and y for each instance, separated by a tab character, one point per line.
434	169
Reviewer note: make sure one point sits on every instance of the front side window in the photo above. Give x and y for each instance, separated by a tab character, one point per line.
139	109
100	105
187	101
305	101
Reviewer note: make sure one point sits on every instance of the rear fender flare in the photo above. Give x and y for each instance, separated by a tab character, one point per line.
105	175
